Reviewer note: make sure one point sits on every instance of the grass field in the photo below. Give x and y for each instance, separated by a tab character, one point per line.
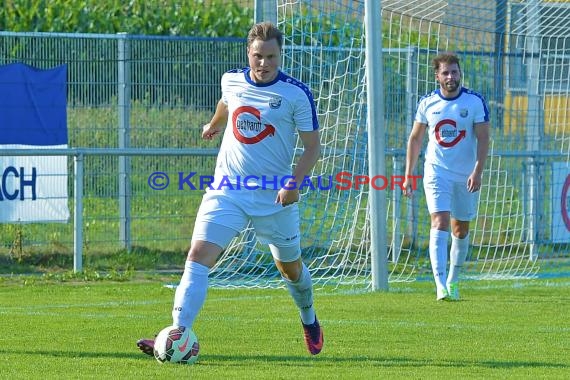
87	330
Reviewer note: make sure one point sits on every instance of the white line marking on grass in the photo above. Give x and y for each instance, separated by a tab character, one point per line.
85	305
78	315
518	285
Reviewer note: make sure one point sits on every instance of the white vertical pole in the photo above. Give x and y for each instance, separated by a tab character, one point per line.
411	102
376	146
534	122
124	104
397	169
78	213
265	10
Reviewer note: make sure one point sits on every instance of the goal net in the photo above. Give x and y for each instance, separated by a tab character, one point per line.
516	53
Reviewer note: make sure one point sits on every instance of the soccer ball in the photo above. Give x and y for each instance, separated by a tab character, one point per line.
176	345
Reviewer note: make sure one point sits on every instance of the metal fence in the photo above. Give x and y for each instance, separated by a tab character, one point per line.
136	106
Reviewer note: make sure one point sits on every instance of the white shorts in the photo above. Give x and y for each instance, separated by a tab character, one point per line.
221	217
443	194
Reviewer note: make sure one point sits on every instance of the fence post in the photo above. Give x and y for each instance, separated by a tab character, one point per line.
124	102
78	213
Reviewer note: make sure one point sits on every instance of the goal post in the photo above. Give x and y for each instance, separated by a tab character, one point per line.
376	147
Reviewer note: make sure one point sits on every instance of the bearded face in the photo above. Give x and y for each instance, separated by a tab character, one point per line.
449	78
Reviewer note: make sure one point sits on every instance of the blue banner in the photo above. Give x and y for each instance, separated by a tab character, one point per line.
33	115
33	105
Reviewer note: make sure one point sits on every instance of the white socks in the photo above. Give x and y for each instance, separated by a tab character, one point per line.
438	256
302	293
459	248
190	294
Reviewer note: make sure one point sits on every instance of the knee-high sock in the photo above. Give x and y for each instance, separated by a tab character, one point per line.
302	293
438	256
457	254
190	294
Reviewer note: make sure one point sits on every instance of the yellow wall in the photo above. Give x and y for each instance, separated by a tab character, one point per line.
556	114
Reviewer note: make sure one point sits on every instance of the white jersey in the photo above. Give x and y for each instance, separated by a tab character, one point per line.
259	140
452	144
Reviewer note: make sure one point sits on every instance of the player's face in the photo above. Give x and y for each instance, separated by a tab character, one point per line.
264	60
449	78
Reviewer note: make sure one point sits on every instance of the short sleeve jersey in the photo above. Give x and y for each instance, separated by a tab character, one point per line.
452	144
260	137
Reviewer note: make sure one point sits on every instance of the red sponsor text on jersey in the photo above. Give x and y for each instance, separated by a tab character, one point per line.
440	138
266	131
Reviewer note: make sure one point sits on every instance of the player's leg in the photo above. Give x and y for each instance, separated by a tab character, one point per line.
464	209
438	238
217	222
457	255
191	291
301	290
281	232
438	197
298	280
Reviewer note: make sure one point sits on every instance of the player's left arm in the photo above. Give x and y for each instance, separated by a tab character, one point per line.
311	152
482	135
217	123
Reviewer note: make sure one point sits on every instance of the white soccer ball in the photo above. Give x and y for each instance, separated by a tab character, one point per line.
176	345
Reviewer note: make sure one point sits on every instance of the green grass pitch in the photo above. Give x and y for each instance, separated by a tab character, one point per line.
87	330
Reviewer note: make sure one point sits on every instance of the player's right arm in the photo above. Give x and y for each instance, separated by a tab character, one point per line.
217	123
415	142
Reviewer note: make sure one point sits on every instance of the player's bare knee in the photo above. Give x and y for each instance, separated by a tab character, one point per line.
290	276
290	271
440	221
460	229
440	225
203	252
460	233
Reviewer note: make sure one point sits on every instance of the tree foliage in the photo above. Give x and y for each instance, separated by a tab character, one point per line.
204	18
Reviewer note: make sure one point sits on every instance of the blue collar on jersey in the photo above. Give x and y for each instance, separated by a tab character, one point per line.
438	92
248	78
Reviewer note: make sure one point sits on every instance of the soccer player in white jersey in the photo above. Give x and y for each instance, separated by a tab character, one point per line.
457	122
261	111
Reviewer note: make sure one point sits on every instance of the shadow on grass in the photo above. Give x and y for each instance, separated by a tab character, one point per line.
245	360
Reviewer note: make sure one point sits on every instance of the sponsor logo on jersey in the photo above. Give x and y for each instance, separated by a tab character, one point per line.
445	130
249	131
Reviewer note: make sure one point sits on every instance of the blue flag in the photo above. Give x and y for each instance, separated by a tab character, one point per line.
33	114
33	105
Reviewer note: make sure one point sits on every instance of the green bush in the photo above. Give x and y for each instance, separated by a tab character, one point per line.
212	18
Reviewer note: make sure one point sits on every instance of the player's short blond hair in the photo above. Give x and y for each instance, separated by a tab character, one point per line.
264	31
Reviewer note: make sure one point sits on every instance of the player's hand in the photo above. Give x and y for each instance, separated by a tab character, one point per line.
408	189
287	196
474	183
209	131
